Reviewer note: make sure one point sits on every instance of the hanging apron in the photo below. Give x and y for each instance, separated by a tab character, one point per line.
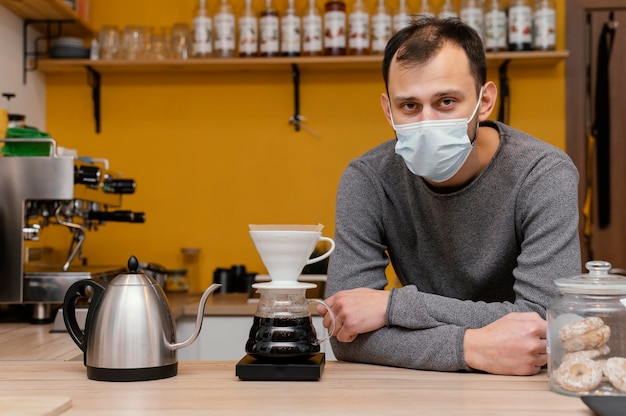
601	129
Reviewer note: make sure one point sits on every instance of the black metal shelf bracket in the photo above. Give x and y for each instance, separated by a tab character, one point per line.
93	80
53	30
296	118
504	110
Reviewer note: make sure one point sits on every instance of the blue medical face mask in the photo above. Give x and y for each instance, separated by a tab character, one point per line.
435	149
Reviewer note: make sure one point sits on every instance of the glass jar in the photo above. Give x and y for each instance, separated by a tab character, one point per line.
176	281
587	334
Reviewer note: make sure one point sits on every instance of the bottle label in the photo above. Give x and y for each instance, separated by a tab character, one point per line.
224	32
520	21
290	34
359	31
381	31
202	36
270	37
473	17
335	24
312	33
248	35
495	30
545	29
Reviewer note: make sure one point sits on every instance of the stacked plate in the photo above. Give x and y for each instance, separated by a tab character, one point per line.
68	48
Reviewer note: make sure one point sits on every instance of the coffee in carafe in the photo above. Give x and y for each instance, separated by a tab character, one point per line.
282	326
282	337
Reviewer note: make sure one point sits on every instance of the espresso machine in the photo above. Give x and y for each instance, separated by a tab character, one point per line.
51	190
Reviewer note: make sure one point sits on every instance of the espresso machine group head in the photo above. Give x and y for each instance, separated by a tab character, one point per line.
36	192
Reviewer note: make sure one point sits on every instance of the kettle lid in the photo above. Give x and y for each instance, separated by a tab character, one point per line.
133	277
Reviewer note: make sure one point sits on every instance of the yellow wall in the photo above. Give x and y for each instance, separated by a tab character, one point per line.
214	152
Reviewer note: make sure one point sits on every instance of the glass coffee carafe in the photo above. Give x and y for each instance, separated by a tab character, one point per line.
282	327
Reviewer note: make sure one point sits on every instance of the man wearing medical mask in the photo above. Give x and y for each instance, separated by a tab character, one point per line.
476	218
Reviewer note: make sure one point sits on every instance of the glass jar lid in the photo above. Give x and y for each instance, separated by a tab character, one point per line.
597	282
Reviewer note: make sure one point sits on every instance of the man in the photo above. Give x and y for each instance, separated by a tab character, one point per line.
477	219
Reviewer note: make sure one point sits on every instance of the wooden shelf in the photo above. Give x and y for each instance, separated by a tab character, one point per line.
248	65
326	63
42	11
530	58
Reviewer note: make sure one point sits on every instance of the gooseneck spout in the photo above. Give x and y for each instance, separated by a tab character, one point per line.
199	318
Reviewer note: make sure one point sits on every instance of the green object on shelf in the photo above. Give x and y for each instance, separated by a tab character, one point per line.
24	148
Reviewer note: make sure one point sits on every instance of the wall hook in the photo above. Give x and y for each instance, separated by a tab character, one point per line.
612	23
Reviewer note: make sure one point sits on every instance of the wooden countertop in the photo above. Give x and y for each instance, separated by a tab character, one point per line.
203	387
34	366
23	341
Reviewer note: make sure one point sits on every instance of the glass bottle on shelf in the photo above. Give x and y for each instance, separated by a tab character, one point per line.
290	29
472	15
425	8
335	28
402	17
381	28
520	25
248	31
358	29
269	42
312	32
448	9
202	32
224	31
544	24
495	26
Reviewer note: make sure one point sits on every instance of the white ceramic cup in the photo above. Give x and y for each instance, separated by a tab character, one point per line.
285	253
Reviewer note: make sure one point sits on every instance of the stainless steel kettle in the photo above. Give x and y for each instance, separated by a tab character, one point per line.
129	331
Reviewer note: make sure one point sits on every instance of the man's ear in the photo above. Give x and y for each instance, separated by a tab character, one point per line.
488	101
384	103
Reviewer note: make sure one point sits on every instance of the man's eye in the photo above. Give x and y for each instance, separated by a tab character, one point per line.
409	106
447	102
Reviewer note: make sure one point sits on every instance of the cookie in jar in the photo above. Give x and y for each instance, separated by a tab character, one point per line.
587	333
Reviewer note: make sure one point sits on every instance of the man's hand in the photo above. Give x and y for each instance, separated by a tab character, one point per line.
356	311
514	344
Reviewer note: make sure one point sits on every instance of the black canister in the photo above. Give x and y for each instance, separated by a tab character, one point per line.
225	278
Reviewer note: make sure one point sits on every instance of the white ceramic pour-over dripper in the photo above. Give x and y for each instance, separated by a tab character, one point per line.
285	252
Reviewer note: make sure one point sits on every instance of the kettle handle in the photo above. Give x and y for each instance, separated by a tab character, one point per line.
74	293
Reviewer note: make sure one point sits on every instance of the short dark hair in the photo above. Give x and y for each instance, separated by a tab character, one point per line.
425	36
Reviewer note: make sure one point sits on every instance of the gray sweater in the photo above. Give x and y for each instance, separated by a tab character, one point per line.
464	259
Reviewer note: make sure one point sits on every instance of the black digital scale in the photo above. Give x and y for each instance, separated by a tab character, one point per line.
293	369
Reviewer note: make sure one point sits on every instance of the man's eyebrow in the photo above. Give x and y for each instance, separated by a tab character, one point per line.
450	92
444	93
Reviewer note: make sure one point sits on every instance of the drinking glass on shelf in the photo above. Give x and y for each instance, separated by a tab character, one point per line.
109	38
134	42
180	41
159	44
